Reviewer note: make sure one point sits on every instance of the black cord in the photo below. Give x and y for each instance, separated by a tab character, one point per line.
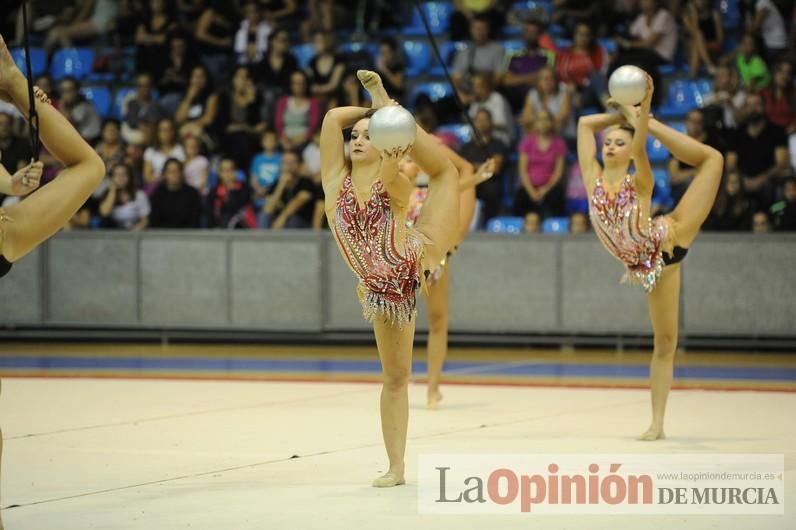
478	140
33	119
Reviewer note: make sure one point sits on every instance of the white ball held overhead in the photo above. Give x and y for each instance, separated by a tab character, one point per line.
392	129
628	85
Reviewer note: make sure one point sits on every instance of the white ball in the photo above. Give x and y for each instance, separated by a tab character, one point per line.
392	128
628	85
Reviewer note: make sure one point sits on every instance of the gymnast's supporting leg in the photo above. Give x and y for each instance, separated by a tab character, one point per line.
48	209
437	335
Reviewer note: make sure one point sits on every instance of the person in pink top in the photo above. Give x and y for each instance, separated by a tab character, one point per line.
297	115
650	249
541	165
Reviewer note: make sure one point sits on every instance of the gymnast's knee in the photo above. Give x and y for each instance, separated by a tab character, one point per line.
395	379
665	344
438	322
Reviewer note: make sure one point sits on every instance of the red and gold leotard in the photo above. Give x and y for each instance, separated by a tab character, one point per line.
636	242
383	253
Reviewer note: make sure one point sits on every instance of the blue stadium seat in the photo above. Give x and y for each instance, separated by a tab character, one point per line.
540	8
356	47
609	45
562	43
506	225
667	69
418	56
118	99
678	126
730	13
38	60
438	15
702	87
74	62
101	98
513	46
447	50
656	152
434	90
462	131
681	98
555	225
304	53
662	192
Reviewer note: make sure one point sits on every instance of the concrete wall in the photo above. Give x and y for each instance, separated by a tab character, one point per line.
741	285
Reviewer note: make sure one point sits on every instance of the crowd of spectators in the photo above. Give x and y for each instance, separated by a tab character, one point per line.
219	125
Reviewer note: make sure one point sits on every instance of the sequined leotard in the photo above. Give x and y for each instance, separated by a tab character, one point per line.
387	268
416	201
633	240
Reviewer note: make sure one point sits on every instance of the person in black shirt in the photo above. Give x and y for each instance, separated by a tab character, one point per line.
491	191
391	66
14	152
731	211
273	72
326	69
291	204
783	213
174	203
229	203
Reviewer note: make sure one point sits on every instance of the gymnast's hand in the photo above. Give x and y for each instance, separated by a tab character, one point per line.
26	179
485	171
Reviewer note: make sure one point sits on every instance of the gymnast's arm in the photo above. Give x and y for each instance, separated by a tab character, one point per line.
332	144
588	126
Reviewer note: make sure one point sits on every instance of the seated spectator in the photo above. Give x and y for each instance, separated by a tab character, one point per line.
705	36
766	21
82	218
274	71
179	64
490	193
124	206
251	40
311	158
197	110
584	65
783	212
680	173
14	151
481	55
759	150
521	68
265	167
578	223
350	93
238	121
134	160
175	204
78	110
485	97
228	205
761	224
577	200
391	66
553	97
726	97
196	165
326	68
215	36
751	66
165	146
93	17
731	211
110	147
541	166
141	112
780	98
290	204
653	42
297	115
466	11
151	37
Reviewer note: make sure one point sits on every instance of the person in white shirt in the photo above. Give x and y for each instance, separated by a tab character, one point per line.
485	97
251	40
766	20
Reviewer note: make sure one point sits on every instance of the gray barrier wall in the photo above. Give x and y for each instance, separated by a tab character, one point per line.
742	285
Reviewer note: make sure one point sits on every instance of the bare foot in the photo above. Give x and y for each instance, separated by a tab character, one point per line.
652	434
372	83
432	399
389	480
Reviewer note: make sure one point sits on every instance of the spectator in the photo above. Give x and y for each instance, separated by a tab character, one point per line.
196	165
491	191
297	115
759	152
485	97
681	174
274	71
481	55
290	204
784	212
134	160
326	68
521	68
726	98
238	121
751	66
78	110
166	146
541	165
141	112
93	17
761	223
350	93
251	40
110	147
82	218
151	37
228	204
553	97
391	66
780	98
311	159
577	199
653	42
175	204
584	65
215	35
14	152
533	223
197	110
765	20
468	10
179	64
265	167
578	223
731	211
124	206
705	36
